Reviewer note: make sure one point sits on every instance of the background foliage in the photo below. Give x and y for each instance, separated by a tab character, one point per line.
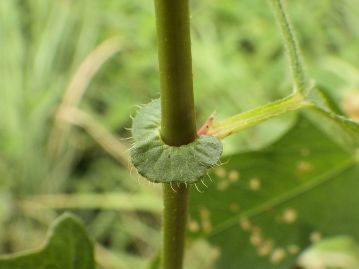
71	75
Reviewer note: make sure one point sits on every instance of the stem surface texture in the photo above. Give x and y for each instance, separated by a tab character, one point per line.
178	122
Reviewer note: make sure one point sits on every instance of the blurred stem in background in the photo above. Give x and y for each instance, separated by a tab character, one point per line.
291	45
178	125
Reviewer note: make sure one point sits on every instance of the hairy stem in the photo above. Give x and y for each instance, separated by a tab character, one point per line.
291	46
178	116
257	115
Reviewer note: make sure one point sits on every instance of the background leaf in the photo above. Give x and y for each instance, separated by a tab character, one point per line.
67	246
340	252
342	130
266	206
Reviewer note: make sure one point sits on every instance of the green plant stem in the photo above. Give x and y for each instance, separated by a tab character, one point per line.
291	46
178	116
174	226
177	103
257	115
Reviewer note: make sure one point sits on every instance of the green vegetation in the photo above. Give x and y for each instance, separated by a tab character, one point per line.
67	246
71	75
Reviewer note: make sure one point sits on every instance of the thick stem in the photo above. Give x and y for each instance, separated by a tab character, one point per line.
178	116
174	226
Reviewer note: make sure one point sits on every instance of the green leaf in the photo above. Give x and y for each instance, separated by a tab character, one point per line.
328	117
340	252
342	130
200	254
264	207
68	246
159	162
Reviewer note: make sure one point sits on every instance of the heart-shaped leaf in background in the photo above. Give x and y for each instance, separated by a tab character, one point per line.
68	246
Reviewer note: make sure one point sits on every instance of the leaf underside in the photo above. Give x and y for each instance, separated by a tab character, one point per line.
159	162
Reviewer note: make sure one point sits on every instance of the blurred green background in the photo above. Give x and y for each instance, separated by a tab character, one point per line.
72	73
